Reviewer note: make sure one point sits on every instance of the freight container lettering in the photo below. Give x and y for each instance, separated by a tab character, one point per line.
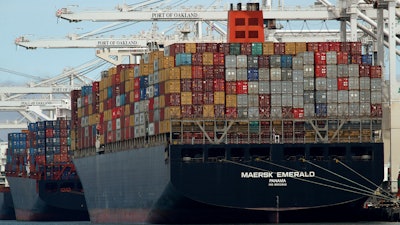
295	174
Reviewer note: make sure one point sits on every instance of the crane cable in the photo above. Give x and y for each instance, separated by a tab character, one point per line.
353	190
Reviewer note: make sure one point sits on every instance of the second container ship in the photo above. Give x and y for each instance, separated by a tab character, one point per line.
43	181
240	132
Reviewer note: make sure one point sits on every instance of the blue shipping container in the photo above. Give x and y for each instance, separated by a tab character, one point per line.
252	74
321	110
286	61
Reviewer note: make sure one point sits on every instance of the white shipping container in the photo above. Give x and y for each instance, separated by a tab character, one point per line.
298	101
320	84
309	97
151	129
309	110
137	119
253	113
275	61
365	96
243	112
253	87
354	109
365	109
332	96
376	84
320	97
365	83
298	75
241	74
263	87
287	100
241	61
150	91
276	87
354	83
331	58
332	110
253	100
309	84
275	74
118	135
286	74
276	112
354	96
242	100
343	109
331	71
136	107
118	123
376	97
79	102
308	71
230	61
354	70
298	88
156	77
276	100
343	70
308	57
230	74
343	96
263	74
331	84
156	103
151	78
109	125
287	87
297	63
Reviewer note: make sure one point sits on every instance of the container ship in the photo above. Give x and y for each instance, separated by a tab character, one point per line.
43	180
245	131
6	204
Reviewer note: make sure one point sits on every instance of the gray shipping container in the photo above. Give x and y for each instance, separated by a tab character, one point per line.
332	109
298	101
230	61
276	100
276	112
343	70
275	61
354	70
263	87
308	70
298	88
331	84
252	61
242	100
376	84
253	100
343	109
253	87
320	97
308	57
241	61
253	113
354	109
365	83
276	87
320	84
156	77
376	97
343	96
331	58
354	83
297	63
365	96
331	71
309	83
241	74
230	74
354	96
309	97
298	75
287	100
287	87
275	74
332	96
365	109
263	74
309	110
286	74
243	112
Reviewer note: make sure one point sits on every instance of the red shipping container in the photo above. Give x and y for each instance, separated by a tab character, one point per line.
86	100
298	113
197	85
245	48
151	104
64	133
122	88
162	113
211	47
355	48
312	46
219	111
208	85
242	87
320	70
263	61
375	71
219	72
345	47
224	48
127	122
231	112
161	87
219	84
342	58
208	98
376	110
116	90
208	72
334	46
110	103
197	111
116	112
364	70
197	98
356	59
197	72
64	149
343	84
218	59
131	108
116	79
136	83
197	59
96	87
201	47
230	87
323	47
264	112
320	58
173	99
279	48
176	48
136	95
151	116
49	133
264	100
187	111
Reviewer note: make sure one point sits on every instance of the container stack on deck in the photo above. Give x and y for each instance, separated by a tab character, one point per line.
269	90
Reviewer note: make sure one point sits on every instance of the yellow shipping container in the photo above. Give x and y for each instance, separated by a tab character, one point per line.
172	112
101	139
73	146
208	111
208	58
80	112
151	68
144	69
186	72
231	100
161	100
127	110
190	47
301	47
107	115
131	95
290	48
186	98
129	74
165	126
101	106
173	73
101	85
131	120
168	62
90	109
172	86
112	71
219	98
268	48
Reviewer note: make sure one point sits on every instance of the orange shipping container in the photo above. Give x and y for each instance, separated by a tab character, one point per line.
208	111
290	48
231	100
172	86
186	72
172	112
268	48
168	62
190	47
208	58
219	98
186	98
301	47
161	101
132	120
173	73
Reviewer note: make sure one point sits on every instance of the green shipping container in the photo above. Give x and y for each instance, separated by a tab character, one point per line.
256	49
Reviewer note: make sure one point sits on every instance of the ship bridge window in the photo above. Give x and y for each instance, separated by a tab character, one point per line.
240	22
240	34
216	154
253	22
316	153
361	153
260	153
192	154
338	152
237	154
293	153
